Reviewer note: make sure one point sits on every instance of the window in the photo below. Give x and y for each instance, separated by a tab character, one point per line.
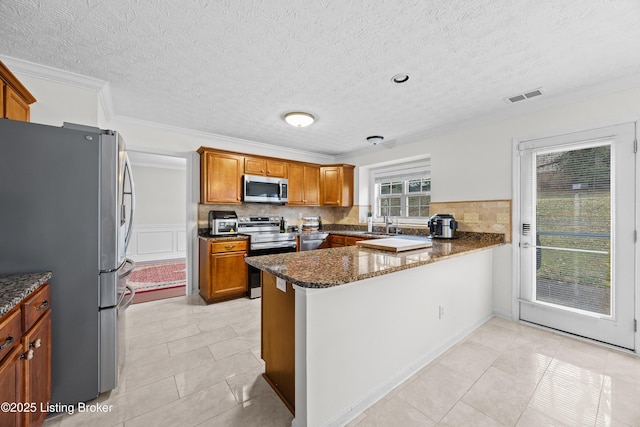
402	191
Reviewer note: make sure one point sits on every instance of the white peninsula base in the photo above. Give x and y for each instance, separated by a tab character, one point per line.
355	343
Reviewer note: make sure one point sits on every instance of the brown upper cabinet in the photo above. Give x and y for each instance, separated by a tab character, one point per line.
304	184
14	97
265	167
309	184
336	182
220	177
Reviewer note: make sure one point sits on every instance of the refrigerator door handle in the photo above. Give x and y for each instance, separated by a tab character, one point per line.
127	267
132	207
123	305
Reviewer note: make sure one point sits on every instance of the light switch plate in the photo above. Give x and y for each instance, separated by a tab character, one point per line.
471	217
502	218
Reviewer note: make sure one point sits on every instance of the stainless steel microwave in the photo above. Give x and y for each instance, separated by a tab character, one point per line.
262	189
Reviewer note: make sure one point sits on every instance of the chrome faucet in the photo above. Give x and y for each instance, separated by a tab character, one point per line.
387	223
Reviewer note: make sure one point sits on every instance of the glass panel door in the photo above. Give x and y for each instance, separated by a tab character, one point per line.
577	225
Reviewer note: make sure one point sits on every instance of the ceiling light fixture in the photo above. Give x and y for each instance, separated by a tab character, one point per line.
299	119
400	78
375	139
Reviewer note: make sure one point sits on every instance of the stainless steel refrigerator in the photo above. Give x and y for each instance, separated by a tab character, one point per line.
66	206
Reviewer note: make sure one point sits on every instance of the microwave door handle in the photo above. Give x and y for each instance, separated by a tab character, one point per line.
279	190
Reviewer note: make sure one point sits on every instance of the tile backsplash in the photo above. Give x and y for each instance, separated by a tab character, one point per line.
293	214
480	216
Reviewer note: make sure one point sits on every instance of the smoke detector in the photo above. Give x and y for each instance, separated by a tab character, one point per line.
522	96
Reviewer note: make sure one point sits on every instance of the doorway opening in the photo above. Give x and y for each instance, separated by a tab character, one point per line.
159	238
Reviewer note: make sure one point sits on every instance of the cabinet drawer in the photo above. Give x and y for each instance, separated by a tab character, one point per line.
35	305
10	332
337	240
228	246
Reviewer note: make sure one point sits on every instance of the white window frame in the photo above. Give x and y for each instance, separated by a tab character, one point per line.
402	172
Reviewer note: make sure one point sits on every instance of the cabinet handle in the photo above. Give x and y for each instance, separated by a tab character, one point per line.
44	304
36	344
28	355
7	342
229	247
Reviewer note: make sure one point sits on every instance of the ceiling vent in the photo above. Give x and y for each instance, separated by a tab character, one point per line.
522	96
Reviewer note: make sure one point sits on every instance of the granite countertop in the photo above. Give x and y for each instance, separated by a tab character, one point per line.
224	238
324	268
16	287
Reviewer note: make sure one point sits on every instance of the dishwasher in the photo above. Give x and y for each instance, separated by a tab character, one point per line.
309	242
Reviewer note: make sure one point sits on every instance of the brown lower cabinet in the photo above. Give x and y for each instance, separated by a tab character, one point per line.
223	272
278	339
337	240
25	369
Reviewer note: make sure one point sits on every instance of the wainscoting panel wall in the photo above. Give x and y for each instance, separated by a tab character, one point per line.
152	242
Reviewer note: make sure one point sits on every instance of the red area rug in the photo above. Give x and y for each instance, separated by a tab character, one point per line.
152	276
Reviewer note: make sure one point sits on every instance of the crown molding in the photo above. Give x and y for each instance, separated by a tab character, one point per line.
320	158
105	100
55	75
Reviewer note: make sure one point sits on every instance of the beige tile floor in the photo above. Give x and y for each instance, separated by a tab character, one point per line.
189	364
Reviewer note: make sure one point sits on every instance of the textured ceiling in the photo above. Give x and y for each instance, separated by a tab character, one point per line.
234	67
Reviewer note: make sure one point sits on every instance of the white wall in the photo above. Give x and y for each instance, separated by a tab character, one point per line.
160	195
159	230
57	103
474	163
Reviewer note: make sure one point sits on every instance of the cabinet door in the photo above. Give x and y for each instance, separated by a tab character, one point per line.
37	369
228	274
276	168
331	182
220	178
15	107
296	184
304	185
279	338
312	185
255	166
11	386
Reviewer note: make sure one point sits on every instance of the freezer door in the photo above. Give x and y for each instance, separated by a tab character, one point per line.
108	352
113	284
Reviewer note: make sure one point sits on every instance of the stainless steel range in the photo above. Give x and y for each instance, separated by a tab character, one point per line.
266	239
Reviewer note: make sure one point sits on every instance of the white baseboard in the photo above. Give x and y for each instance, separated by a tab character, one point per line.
404	374
152	242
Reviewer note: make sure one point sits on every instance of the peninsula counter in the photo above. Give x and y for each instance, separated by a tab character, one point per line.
342	327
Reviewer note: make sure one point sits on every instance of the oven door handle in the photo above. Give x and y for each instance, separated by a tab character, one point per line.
273	245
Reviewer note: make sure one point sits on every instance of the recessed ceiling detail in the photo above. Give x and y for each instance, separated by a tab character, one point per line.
522	96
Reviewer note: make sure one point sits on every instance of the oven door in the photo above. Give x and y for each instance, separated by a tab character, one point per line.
255	291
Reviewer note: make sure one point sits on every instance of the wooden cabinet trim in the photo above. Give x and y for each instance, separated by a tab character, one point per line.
35	306
223	274
10	331
12	81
